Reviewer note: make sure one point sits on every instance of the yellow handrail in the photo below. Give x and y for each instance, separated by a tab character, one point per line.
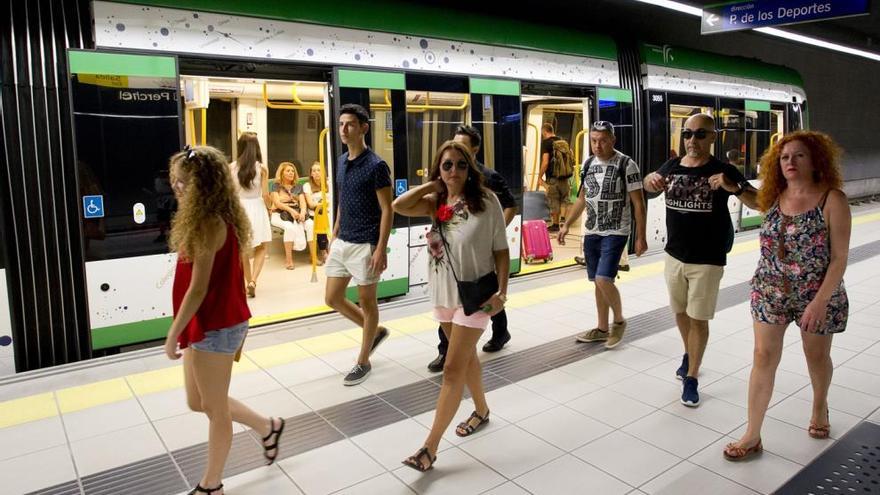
192	127
204	126
577	152
535	169
415	108
288	105
325	207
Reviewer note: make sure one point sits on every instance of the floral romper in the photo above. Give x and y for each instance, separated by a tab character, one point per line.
795	253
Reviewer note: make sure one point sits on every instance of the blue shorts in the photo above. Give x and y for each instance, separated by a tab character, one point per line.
223	341
602	254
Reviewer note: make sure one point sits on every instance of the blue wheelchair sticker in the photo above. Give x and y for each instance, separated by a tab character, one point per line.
93	206
400	187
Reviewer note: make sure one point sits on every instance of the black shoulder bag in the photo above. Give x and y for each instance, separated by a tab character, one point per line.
472	293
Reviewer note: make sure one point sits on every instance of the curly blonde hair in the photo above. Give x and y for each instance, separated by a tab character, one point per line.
210	192
279	174
825	156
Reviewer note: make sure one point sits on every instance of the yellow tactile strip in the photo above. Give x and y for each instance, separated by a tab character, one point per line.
49	404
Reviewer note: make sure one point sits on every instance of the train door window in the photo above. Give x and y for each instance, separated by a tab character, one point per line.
126	123
759	133
383	95
731	139
616	106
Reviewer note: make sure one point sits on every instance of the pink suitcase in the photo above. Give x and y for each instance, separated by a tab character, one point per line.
536	241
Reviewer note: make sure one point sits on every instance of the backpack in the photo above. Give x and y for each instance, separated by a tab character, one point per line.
562	160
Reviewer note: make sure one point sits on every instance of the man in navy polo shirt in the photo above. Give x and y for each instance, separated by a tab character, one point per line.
360	234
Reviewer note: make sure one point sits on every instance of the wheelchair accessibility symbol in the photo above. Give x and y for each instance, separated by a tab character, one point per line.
93	206
400	186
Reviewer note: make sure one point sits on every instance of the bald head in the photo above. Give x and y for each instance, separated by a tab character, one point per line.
698	135
700	120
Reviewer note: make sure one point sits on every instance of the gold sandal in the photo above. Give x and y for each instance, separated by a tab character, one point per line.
736	453
821	432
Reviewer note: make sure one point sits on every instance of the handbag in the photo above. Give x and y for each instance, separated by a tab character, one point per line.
472	293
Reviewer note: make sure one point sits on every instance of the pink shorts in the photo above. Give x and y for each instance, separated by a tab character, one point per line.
480	319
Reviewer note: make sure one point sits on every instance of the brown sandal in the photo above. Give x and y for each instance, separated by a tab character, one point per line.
465	428
415	461
736	453
820	432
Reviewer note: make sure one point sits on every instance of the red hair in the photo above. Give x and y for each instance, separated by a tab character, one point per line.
824	154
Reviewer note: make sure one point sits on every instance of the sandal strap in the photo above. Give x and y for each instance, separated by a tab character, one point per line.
200	489
415	460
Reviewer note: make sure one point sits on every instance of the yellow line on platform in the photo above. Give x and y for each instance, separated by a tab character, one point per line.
41	406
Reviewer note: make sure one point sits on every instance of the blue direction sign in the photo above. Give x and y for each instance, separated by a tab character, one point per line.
400	187
734	16
93	206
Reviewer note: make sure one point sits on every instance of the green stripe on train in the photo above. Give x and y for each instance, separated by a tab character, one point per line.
119	64
412	19
494	87
130	333
747	222
371	79
386	288
615	94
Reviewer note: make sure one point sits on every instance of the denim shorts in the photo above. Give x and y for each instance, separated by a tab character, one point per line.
602	254
223	341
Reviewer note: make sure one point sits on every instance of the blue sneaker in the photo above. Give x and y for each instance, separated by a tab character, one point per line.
689	395
682	370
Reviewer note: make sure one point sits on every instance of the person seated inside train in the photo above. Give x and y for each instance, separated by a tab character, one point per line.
734	157
314	200
288	211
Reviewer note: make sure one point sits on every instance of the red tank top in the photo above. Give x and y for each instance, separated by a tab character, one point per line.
225	304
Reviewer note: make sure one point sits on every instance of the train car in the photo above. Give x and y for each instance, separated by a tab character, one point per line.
166	74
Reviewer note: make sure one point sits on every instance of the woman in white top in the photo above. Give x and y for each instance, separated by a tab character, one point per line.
314	199
252	179
473	244
289	211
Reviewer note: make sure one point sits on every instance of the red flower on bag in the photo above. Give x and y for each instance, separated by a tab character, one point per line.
444	213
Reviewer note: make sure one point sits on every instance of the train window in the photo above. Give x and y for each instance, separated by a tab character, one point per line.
759	133
292	136
431	119
126	128
219	118
731	124
499	120
619	113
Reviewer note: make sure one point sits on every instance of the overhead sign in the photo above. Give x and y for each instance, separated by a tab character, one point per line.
760	13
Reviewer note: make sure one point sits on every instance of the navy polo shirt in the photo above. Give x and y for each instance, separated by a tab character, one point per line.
358	180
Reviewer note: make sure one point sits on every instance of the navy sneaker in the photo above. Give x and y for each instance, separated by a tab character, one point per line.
682	370
689	395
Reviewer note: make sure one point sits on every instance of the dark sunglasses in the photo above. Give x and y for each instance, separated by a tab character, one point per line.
190	152
447	165
602	125
699	134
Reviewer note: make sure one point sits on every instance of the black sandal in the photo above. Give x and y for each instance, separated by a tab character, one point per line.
209	491
415	461
273	435
465	428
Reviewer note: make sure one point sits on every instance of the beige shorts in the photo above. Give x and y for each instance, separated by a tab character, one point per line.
693	289
350	260
558	193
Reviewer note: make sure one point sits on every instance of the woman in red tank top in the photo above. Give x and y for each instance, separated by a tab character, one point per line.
210	311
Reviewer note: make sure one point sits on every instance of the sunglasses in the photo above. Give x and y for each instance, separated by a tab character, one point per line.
447	165
602	125
699	134
190	152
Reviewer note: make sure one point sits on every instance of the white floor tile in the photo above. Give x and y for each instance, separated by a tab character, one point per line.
514	403
564	428
713	413
627	458
649	389
509	488
735	391
96	454
788	441
244	385
599	371
672	433
30	437
570	475
385	484
786	382
558	386
845	399
164	404
303	371
689	479
261	481
511	451
633	357
37	470
865	362
278	403
464	410
611	408
186	430
857	380
454	472
391	444
328	391
722	362
796	412
103	419
330	468
764	474
388	376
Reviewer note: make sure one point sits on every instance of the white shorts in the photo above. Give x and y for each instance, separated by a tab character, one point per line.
352	260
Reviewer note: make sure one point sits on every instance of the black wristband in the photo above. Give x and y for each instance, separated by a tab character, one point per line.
740	191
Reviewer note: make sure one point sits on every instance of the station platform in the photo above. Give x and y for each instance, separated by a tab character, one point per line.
565	417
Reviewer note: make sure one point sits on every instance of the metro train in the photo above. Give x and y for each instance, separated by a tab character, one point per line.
196	73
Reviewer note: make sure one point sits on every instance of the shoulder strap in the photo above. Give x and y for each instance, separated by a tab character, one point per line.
824	199
586	166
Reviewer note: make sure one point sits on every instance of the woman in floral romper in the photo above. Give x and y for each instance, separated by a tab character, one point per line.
804	244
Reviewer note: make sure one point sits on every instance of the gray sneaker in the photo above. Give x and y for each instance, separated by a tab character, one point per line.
594	335
381	335
357	374
616	334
